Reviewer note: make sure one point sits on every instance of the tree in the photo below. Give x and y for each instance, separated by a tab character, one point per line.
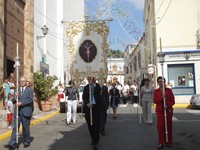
115	53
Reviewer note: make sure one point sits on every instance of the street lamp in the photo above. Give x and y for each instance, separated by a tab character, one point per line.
161	57
45	32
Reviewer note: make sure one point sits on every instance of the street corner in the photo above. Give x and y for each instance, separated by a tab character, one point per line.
7	134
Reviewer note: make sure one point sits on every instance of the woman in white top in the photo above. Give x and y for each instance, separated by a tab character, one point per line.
147	99
12	85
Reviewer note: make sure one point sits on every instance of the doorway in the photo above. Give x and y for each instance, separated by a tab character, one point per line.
10	67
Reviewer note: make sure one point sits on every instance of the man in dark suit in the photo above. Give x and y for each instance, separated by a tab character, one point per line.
104	107
25	105
95	106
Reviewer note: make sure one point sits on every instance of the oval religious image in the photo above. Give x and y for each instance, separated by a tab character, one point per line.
88	51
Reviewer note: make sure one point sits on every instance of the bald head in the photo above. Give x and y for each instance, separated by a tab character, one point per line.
23	81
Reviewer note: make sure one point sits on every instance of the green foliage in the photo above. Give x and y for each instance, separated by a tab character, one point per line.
115	54
43	86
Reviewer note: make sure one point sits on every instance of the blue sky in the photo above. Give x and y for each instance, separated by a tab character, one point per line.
127	25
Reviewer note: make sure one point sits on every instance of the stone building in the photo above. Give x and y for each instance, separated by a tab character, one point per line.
16	26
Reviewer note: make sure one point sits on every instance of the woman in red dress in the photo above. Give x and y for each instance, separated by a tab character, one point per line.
158	100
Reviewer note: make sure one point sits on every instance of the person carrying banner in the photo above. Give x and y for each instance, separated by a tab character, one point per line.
164	125
25	105
92	108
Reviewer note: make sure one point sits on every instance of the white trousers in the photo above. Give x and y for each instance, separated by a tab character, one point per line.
71	110
147	114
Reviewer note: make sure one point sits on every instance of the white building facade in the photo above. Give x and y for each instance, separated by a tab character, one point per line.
53	47
177	24
115	70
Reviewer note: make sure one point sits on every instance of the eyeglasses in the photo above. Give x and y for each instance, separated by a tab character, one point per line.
22	81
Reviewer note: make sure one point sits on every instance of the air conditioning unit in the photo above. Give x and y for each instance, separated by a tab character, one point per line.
198	37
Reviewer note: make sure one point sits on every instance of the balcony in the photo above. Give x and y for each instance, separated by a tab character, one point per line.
115	72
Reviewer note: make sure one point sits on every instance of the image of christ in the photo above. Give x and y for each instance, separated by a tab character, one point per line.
88	51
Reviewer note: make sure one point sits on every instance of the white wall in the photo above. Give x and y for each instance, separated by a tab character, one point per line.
50	13
179	25
73	10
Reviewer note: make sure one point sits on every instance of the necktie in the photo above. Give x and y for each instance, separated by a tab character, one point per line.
92	92
22	90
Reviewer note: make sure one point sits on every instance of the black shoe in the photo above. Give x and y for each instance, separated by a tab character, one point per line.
160	146
95	147
26	145
91	143
103	133
169	145
7	146
10	147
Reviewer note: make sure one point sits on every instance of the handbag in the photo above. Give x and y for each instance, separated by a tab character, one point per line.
62	96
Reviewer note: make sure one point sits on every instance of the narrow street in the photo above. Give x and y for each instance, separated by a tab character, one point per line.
125	133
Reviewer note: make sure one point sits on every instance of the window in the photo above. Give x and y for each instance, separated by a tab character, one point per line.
135	63
139	60
131	69
114	68
182	78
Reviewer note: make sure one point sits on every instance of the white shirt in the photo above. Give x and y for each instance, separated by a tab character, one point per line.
125	89
23	89
9	105
60	90
135	89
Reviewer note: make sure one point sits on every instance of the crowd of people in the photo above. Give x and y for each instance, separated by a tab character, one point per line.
8	94
96	102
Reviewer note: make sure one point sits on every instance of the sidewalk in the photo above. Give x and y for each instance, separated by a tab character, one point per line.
38	116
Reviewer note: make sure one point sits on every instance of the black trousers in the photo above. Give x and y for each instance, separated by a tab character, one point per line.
25	128
95	127
125	100
135	99
103	118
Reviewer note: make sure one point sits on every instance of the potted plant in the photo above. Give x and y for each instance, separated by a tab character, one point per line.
44	89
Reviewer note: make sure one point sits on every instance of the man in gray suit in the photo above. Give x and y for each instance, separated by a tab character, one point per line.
25	105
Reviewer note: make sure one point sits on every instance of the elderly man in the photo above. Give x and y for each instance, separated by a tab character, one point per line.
92	91
25	105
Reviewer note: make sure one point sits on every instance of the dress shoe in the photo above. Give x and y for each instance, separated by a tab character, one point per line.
160	146
114	117
95	147
91	143
7	146
26	145
169	145
10	147
103	133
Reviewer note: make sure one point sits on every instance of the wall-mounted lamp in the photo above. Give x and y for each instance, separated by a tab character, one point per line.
44	31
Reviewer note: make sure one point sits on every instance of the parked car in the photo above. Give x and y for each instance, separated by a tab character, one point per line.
63	101
195	100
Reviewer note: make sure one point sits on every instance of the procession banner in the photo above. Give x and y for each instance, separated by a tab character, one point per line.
88	50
